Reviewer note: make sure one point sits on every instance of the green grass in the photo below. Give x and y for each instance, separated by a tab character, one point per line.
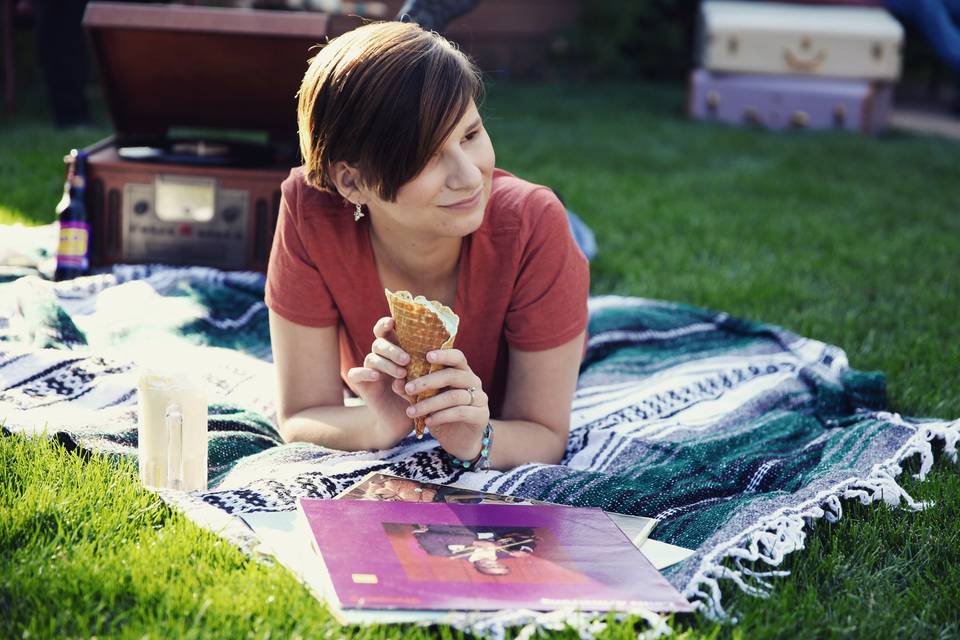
31	159
855	241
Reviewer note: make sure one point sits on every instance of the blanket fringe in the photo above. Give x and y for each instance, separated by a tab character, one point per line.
783	532
586	624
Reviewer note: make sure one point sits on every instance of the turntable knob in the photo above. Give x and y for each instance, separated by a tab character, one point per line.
141	207
230	213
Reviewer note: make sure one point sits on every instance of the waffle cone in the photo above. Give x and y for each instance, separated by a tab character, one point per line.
421	326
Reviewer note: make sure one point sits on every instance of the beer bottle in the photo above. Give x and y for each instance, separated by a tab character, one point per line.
73	250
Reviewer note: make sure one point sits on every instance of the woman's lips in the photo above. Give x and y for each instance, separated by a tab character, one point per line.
469	203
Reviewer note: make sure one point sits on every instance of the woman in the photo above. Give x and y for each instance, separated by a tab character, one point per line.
398	190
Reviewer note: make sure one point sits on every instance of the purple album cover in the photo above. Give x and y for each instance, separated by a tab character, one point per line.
402	555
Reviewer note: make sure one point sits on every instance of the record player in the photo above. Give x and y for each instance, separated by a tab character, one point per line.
157	191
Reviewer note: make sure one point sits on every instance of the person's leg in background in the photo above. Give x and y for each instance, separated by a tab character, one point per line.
933	19
939	22
434	15
61	51
953	6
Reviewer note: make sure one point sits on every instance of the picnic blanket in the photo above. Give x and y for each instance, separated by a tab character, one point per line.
735	434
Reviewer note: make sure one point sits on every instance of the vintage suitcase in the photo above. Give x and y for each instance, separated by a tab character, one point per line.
831	41
784	102
203	104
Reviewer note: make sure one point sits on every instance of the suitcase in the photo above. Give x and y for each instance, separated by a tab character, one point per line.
831	41
790	102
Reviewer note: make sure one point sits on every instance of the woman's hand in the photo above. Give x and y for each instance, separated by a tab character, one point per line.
457	415
379	382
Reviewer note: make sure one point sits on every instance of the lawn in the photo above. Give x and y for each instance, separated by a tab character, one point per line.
850	240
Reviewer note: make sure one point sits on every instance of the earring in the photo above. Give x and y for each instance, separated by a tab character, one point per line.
358	213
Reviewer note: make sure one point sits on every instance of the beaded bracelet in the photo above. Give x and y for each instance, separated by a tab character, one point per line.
482	461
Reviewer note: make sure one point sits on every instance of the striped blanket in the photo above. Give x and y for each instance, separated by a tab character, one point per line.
736	434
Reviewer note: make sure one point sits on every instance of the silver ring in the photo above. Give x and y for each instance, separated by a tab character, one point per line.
472	391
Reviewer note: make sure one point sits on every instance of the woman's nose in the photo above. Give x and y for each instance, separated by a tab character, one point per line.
465	175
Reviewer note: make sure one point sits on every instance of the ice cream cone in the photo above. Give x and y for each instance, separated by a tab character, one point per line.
421	326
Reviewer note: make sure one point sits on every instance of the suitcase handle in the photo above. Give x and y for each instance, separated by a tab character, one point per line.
804	66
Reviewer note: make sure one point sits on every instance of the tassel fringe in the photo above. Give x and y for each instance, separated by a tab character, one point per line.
586	624
774	536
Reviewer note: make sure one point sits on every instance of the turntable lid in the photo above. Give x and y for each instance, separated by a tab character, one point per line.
165	66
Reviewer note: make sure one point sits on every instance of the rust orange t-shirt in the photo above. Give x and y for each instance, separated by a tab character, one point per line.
522	280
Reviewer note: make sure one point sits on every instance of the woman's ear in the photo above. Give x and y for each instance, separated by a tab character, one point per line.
347	181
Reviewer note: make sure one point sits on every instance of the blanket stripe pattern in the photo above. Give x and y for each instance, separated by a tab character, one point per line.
736	434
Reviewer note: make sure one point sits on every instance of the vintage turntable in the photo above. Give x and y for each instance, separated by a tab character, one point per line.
159	192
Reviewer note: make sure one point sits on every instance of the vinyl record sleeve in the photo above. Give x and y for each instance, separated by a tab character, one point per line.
400	555
385	487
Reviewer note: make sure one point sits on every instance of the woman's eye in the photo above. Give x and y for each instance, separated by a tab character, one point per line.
472	135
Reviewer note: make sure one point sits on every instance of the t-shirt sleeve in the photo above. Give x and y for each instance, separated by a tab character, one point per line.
295	288
548	307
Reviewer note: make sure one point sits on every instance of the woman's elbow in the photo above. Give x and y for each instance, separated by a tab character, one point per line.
283	428
558	443
286	427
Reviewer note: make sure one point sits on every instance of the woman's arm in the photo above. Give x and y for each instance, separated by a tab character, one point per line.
310	392
535	422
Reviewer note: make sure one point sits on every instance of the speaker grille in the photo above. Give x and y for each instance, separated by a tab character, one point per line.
114	233
260	229
95	211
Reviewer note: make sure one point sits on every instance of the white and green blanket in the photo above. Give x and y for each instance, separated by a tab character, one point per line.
735	434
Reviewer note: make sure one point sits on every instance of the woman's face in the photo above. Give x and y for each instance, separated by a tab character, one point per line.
461	170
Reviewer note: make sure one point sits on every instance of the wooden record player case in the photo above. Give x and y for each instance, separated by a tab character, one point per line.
185	67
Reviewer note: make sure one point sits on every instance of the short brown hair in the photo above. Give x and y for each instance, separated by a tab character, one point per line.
382	98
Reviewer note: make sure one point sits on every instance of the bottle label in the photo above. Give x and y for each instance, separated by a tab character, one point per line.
74	244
